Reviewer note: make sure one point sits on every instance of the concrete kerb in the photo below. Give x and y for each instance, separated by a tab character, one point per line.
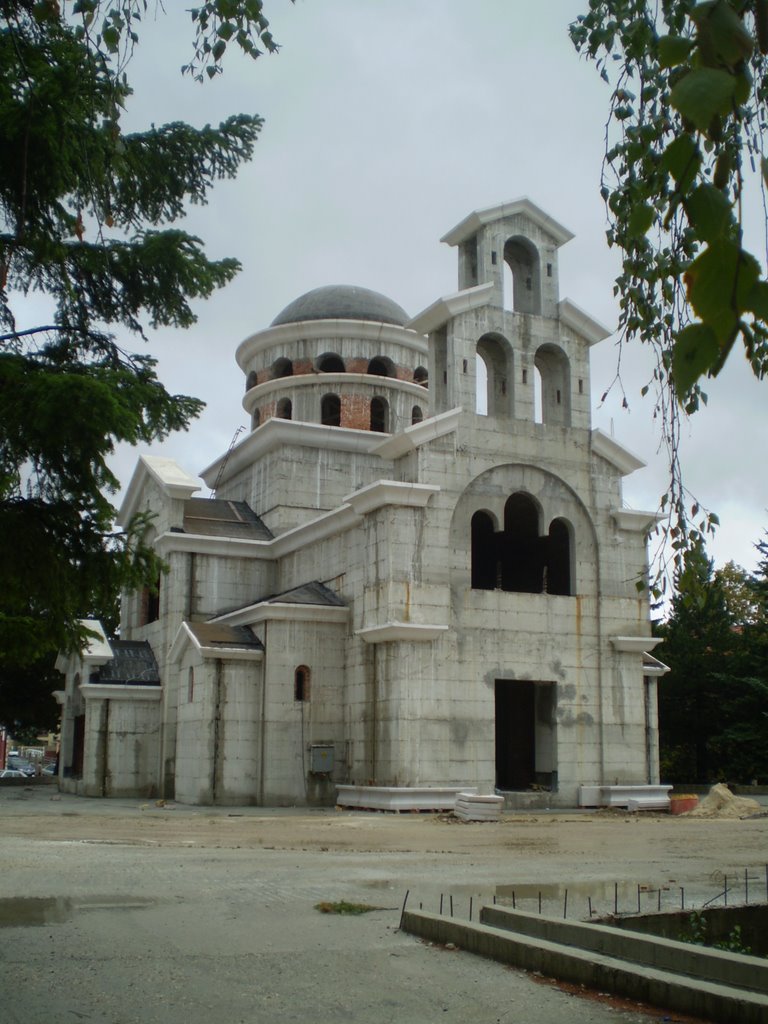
641	982
715	965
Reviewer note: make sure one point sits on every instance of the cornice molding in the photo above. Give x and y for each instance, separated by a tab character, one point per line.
317	330
411	632
450	306
619	456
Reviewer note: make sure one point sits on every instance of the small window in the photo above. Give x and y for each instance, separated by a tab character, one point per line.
330	362
330	410
190	685
416	414
421	376
150	604
251	380
382	367
379	415
301	683
285	409
282	367
256	418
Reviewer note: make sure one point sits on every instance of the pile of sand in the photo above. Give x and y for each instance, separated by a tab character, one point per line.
720	802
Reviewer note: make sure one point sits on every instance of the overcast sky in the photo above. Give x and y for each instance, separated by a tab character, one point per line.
387	122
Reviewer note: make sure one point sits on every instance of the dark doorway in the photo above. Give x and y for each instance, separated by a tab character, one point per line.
515	734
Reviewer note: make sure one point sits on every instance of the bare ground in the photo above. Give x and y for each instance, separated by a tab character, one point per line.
123	911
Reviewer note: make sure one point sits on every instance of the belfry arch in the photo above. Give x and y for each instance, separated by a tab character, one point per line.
496	354
555	370
522	258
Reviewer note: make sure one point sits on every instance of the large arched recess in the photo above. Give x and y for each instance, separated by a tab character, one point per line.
555	370
496	353
564	529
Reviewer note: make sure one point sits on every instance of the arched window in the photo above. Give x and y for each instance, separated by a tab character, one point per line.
379	415
554	368
522	561
190	685
330	362
282	367
382	367
330	410
421	376
416	414
496	355
559	558
301	683
484	552
255	419
522	258
251	380
285	409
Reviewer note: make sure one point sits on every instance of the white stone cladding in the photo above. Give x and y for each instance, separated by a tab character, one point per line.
438	599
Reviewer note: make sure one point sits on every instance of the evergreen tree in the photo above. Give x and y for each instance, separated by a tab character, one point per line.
88	218
697	644
713	706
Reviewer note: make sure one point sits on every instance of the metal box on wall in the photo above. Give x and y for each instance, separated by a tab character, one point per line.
321	758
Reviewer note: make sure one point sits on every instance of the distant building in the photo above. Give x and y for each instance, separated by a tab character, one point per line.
396	583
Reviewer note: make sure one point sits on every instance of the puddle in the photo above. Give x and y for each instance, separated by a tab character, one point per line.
25	912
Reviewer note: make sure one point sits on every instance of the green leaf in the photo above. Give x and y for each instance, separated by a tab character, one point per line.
709	212
696	350
682	159
111	38
674	50
757	300
640	219
722	32
719	281
703	94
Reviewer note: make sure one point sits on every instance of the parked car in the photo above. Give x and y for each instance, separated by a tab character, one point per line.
12	773
20	765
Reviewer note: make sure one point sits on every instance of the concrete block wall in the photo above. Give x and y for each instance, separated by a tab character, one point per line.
291	726
122	744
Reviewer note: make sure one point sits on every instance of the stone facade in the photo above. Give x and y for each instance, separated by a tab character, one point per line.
398	583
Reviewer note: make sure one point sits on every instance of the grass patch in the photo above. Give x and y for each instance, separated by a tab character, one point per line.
342	907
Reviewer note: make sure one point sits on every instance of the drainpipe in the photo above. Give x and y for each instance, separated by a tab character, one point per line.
105	748
374	712
262	754
215	769
190	611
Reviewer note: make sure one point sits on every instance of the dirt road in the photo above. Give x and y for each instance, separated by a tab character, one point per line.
122	912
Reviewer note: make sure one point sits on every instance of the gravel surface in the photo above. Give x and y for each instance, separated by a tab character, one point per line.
123	912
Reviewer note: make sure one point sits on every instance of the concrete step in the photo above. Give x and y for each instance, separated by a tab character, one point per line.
716	965
656	987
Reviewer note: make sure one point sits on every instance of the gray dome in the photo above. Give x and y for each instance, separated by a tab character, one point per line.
342	302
